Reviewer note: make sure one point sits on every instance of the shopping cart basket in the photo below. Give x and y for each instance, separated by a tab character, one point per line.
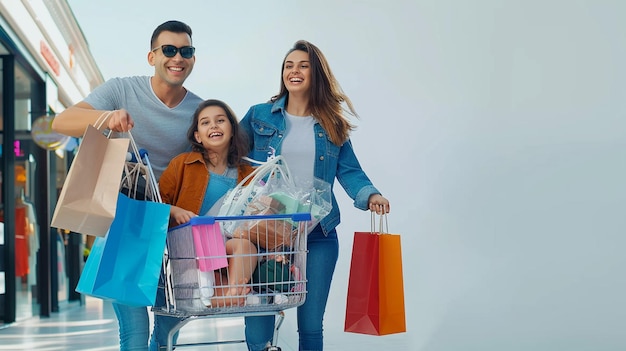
197	273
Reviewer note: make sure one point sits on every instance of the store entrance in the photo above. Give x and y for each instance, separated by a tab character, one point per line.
19	242
26	235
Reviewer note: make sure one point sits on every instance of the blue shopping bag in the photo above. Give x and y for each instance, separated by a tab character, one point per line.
124	266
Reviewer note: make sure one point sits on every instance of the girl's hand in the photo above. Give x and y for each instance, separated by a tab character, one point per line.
180	216
378	204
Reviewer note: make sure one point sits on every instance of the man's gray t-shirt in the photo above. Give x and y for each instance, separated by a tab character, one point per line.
159	129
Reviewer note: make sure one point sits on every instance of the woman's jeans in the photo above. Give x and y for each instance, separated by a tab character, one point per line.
320	266
134	326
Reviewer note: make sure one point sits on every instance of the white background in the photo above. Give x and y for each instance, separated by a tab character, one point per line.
496	129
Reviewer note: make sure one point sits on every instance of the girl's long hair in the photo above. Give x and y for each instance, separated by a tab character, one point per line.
238	143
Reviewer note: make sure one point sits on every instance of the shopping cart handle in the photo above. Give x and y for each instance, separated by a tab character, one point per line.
131	157
296	217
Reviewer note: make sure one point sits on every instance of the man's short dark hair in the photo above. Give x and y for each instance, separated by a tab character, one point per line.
169	26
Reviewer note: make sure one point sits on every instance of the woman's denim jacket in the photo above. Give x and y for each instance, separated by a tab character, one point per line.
265	126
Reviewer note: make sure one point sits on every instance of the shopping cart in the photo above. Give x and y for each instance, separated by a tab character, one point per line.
198	277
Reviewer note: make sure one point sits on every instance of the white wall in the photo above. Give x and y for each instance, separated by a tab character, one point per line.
512	116
496	128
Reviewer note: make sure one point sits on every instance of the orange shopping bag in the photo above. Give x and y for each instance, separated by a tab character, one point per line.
375	303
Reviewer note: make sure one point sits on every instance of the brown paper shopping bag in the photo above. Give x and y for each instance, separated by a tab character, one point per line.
89	196
375	303
125	266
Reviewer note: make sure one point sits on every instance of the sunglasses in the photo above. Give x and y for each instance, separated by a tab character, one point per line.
171	51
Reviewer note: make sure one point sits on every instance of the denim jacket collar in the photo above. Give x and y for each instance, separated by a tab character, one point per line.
279	105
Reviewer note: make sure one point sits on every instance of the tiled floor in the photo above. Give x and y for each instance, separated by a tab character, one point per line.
93	327
88	327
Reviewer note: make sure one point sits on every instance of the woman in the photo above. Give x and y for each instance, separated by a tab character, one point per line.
307	125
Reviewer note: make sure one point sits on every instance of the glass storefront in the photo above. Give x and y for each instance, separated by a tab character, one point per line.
26	287
45	65
18	211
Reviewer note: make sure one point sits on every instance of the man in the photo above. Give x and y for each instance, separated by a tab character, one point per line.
158	109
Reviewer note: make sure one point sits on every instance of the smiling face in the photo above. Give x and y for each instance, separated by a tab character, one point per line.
171	70
297	72
214	130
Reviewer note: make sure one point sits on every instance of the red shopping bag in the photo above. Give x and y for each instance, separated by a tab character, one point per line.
375	303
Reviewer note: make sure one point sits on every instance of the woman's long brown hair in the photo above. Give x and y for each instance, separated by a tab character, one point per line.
326	95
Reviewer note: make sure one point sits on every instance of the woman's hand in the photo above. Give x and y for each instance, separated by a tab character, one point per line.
379	204
180	216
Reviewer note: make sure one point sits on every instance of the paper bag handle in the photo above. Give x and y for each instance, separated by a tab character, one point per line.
143	160
383	226
101	119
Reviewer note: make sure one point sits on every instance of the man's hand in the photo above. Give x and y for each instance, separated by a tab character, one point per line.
120	121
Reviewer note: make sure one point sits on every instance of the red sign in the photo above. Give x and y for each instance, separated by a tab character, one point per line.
47	54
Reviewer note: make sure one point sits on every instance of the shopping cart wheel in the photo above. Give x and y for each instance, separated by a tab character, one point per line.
272	348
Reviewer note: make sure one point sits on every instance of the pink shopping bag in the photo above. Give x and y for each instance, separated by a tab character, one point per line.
209	247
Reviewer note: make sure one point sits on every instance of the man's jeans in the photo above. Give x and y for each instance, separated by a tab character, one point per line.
134	325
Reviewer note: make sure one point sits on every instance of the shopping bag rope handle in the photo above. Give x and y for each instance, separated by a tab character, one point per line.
383	226
145	161
139	157
101	119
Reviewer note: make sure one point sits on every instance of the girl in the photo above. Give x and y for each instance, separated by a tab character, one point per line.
194	181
